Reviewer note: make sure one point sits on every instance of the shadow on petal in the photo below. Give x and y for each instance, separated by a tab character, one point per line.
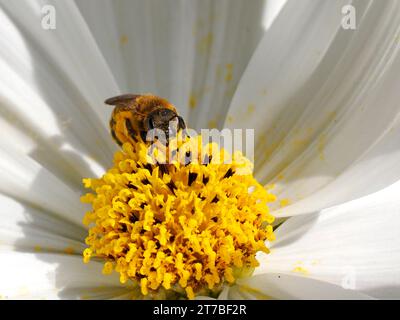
67	157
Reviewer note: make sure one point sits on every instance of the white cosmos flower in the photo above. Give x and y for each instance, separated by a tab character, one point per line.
323	100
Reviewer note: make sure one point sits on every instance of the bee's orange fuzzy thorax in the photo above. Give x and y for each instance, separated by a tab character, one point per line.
151	102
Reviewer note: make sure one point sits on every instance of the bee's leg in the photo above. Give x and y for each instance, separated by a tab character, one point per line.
148	123
143	135
131	131
115	138
113	134
182	126
166	140
181	123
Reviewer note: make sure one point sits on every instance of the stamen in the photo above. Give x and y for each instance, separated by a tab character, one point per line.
172	233
192	178
228	174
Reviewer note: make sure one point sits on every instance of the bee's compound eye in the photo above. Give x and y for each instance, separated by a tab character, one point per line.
164	112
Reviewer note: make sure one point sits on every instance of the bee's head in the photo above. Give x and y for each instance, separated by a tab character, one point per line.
164	119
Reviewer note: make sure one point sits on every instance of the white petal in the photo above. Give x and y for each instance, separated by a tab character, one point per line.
273	7
374	170
284	286
190	52
53	276
28	182
355	245
325	103
54	128
52	108
25	228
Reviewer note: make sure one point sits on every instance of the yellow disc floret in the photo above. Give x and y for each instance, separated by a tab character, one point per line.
180	229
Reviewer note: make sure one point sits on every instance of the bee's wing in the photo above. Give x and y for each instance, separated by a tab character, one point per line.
124	99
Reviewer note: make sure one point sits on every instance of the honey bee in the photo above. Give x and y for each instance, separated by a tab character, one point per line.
134	115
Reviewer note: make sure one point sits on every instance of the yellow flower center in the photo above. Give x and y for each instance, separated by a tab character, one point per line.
178	229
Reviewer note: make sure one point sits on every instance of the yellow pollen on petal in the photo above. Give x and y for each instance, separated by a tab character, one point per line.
180	229
69	250
300	269
284	202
